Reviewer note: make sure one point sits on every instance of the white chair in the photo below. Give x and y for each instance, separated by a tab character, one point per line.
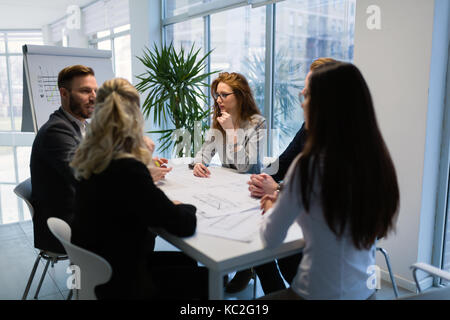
391	275
23	191
94	270
442	293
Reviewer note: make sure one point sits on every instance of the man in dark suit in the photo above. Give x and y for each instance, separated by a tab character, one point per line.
53	182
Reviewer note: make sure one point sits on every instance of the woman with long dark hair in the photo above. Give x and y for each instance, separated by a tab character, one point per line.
342	190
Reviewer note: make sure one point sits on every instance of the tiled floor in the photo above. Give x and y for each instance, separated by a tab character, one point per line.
17	256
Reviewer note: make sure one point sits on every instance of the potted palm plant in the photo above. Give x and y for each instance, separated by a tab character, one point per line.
174	83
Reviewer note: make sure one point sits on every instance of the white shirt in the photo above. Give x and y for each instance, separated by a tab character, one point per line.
80	124
331	268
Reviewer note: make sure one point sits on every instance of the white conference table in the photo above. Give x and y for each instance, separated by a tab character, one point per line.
221	255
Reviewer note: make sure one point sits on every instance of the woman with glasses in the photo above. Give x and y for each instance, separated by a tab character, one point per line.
342	190
237	135
238	129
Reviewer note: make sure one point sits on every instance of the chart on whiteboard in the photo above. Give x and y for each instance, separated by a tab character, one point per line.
48	87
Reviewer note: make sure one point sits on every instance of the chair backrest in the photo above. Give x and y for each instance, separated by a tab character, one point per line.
93	269
23	191
434	293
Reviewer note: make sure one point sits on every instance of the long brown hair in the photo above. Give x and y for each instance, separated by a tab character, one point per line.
242	91
346	152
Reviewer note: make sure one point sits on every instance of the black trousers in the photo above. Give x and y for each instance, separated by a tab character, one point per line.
177	276
270	277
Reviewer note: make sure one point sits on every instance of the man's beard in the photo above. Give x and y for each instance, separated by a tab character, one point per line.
76	108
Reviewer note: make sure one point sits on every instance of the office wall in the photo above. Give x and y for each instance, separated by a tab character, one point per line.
396	62
145	23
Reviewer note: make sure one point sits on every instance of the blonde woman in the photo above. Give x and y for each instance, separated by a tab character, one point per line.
116	202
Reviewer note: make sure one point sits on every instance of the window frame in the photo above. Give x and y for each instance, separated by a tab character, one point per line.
92	42
442	221
215	7
205	10
14	138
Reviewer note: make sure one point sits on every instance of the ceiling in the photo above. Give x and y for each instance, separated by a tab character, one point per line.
33	14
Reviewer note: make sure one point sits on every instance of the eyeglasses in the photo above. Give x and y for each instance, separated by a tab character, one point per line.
222	95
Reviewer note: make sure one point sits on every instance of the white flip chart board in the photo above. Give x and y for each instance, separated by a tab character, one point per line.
41	65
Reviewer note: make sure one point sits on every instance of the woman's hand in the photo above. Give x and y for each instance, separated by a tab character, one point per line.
261	184
158	173
149	144
200	170
160	162
226	121
268	200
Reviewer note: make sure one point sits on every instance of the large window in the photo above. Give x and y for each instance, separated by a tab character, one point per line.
305	31
238	38
15	146
271	44
186	33
118	41
179	7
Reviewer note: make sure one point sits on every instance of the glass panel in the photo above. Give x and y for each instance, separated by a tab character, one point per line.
7	173
238	38
16	77
122	28
446	246
122	57
23	162
176	7
102	34
305	31
184	34
17	40
104	45
2	43
10	205
5	109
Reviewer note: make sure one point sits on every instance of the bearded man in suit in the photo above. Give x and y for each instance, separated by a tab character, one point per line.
52	180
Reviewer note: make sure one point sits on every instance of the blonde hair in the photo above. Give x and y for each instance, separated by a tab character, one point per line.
115	131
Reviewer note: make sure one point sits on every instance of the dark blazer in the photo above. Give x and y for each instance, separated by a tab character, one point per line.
113	211
52	180
294	148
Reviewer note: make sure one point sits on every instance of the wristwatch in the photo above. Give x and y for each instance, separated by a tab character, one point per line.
280	186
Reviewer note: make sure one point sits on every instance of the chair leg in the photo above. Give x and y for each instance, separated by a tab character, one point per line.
69	296
391	275
30	279
254	283
42	279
